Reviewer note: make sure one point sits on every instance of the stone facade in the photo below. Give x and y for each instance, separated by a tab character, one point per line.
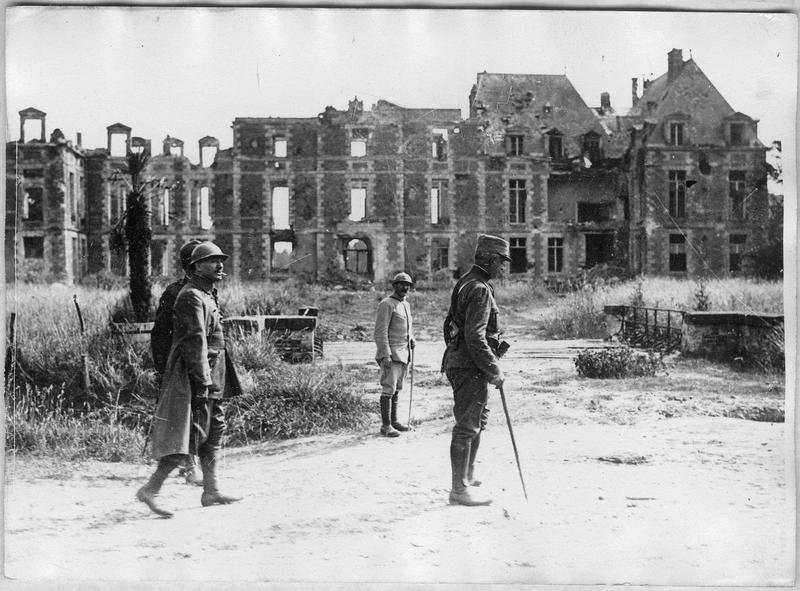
365	193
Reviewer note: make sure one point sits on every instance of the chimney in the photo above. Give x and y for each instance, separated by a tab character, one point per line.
634	92
674	64
605	101
79	138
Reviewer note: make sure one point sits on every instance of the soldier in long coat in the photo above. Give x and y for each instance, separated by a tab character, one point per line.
199	374
161	341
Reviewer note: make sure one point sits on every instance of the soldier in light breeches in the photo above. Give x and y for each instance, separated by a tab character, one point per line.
395	341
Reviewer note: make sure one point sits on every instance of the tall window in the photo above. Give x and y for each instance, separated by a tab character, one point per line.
73	198
555	255
280	147
591	147
358	142
514	144
736	248
358	200
519	255
554	147
736	190
517	197
677	253
280	208
164	208
439	144
438	194
676	134
205	211
440	254
32	205
677	193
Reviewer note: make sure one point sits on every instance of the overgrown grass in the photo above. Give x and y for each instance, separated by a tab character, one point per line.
580	314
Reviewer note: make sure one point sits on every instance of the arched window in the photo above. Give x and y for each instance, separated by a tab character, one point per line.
357	257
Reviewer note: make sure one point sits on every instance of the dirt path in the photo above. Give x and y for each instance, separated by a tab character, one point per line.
685	501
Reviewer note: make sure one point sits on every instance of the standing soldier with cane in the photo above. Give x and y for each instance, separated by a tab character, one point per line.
395	341
470	362
199	374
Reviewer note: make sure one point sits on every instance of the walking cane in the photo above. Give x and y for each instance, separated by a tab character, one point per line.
411	393
513	442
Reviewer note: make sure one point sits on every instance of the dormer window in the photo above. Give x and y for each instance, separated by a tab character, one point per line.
676	134
554	146
738	134
591	147
548	108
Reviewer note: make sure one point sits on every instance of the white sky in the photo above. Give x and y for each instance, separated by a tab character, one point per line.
188	72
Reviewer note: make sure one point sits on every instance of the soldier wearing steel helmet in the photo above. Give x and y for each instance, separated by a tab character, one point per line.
471	361
161	340
394	340
199	375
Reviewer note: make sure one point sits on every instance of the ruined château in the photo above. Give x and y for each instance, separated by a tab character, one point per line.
677	185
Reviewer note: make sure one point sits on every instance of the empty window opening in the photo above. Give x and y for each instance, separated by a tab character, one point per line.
160	263
281	255
280	147
439	144
515	144
32	205
357	257
176	150
205	211
677	193
438	193
119	144
163	208
676	134
32	173
517	199
736	247
738	134
519	255
440	254
555	255
358	142
591	149
358	201
737	192
280	208
594	212
677	253
33	247
599	249
73	198
207	155
33	129
554	147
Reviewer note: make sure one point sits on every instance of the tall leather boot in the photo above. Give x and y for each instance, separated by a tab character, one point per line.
395	423
473	451
460	493
211	494
148	493
386	426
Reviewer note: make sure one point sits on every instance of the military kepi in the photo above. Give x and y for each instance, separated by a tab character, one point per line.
493	245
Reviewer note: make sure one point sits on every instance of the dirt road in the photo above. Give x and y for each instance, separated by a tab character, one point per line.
689	500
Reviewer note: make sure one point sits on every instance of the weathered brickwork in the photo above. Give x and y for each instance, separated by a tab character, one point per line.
675	186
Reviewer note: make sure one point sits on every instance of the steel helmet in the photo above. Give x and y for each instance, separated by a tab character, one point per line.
402	277
206	250
186	252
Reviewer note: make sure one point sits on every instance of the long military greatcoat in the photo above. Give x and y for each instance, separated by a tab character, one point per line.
198	344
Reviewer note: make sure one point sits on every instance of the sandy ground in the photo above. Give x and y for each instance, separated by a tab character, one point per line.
687	500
